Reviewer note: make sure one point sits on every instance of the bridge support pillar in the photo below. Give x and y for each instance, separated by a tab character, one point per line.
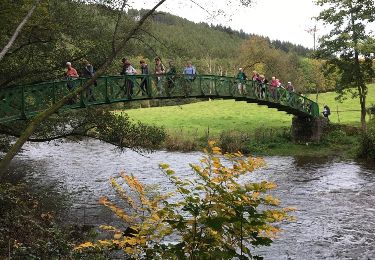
306	129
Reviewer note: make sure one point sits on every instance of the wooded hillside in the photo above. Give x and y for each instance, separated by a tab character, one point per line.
64	30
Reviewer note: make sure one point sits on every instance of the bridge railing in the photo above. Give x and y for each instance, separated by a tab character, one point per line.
22	101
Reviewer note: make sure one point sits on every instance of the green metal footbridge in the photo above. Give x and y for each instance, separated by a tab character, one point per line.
22	102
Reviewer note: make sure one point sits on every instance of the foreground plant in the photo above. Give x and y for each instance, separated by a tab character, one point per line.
216	215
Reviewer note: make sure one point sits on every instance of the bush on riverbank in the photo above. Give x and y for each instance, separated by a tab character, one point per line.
367	147
29	227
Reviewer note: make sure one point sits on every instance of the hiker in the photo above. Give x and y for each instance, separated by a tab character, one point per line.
71	74
326	112
144	82
127	69
262	83
274	84
88	72
190	74
171	77
159	72
289	87
190	71
241	77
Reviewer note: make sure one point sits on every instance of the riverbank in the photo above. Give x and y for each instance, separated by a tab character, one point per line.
338	141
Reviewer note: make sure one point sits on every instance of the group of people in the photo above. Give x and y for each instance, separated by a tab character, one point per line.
261	84
159	72
127	69
87	72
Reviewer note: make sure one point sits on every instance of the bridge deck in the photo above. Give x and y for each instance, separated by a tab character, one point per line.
24	101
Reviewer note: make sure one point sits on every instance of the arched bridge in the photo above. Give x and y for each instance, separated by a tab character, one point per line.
21	102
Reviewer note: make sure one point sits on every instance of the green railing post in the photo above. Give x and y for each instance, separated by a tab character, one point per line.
53	92
149	86
230	92
200	85
81	95
106	91
23	104
215	86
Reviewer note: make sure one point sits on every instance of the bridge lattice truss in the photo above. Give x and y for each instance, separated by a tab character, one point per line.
22	102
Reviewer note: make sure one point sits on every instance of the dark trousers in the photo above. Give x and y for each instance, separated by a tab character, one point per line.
143	86
128	87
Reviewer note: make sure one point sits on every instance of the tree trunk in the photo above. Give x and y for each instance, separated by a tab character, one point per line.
362	90
362	100
18	30
4	163
358	74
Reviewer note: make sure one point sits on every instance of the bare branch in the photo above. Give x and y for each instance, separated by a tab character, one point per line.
18	30
124	3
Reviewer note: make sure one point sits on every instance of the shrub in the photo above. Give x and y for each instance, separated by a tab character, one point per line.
367	147
216	216
337	137
180	142
27	230
233	141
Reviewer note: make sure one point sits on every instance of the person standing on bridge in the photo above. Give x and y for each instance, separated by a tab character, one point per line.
190	71
273	87
144	82
262	86
88	72
241	78
71	74
255	82
289	87
159	72
171	77
128	70
190	74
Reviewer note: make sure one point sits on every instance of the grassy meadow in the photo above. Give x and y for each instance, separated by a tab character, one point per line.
223	115
252	128
348	110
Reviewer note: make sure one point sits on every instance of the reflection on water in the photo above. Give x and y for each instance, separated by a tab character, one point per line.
335	199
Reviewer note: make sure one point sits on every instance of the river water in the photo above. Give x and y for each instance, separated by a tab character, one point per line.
335	199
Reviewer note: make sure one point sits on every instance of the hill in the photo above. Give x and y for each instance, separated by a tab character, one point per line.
72	30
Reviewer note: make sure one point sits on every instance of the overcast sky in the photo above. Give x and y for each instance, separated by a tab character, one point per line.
286	20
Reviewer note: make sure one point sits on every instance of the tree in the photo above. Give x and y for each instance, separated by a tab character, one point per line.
257	53
344	45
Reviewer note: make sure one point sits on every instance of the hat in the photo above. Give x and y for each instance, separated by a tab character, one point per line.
240	69
289	82
68	64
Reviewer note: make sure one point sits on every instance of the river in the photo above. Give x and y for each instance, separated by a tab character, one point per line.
335	199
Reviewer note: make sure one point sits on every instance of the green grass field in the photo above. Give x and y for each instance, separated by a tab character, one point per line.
348	110
221	115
